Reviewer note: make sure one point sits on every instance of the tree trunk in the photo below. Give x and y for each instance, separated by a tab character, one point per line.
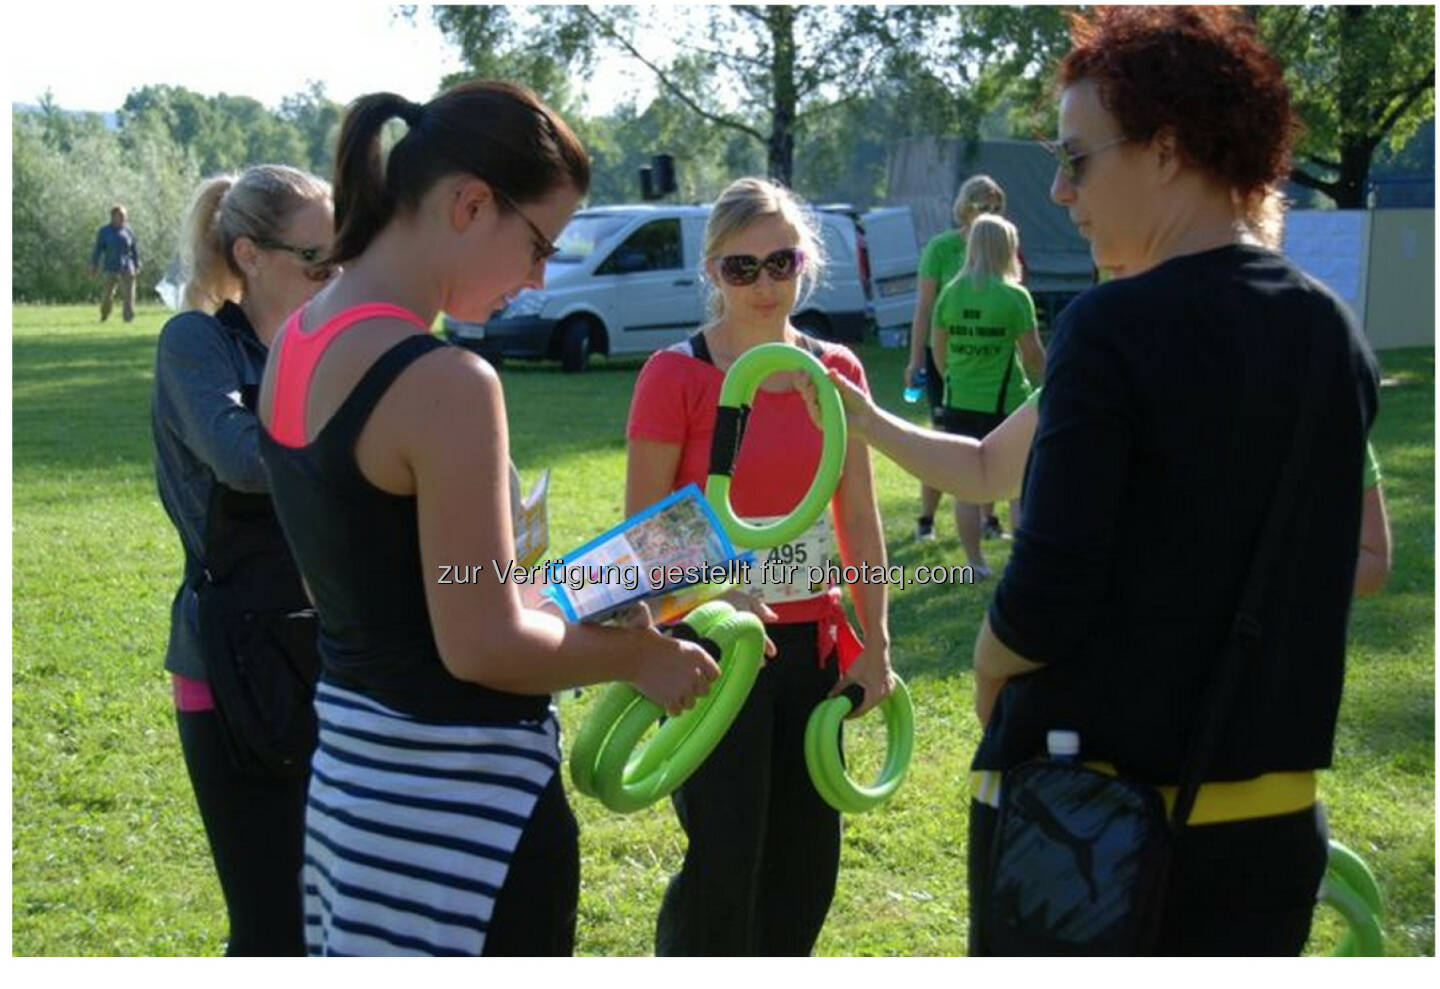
781	146
1355	146
1350	191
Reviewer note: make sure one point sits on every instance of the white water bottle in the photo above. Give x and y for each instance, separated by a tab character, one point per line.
1063	746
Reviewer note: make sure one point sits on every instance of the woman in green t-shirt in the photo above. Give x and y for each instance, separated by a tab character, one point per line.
940	262
981	317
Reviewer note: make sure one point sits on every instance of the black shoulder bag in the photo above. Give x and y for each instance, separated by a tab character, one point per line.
258	636
1079	858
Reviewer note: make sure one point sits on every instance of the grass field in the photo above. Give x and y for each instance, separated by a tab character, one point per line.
108	853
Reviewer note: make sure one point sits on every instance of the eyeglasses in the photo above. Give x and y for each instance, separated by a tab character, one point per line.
317	269
543	247
744	269
1069	162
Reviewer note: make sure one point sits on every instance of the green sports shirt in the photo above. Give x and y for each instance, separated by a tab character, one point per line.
943	257
982	370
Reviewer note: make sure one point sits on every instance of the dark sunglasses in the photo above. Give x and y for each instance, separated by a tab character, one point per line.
1071	163
744	269
316	267
543	247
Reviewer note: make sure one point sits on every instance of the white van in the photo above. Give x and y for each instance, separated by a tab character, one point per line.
627	280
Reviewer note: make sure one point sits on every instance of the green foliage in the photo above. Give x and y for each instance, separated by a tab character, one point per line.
317	118
227	133
1360	76
500	42
767	72
108	852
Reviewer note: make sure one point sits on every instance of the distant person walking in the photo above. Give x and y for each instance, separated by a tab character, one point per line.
116	249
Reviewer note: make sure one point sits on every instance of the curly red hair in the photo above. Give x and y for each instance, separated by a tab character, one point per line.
1200	72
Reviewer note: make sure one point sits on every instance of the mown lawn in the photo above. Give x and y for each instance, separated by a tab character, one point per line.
108	853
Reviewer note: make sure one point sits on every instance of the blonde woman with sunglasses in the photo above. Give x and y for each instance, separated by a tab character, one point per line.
764	848
253	249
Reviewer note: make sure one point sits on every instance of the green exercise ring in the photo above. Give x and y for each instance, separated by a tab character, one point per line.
1350	887
741	382
604	761
823	755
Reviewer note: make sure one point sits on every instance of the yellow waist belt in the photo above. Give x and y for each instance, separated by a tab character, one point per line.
1264	796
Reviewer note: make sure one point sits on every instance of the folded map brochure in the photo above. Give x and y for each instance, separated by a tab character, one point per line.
673	556
529	518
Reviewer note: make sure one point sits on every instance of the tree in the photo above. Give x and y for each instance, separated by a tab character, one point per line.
707	156
1360	77
226	132
317	118
766	72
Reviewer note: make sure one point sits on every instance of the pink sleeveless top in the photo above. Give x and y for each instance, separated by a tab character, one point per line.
300	353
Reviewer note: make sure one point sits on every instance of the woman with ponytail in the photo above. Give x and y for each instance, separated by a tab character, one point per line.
253	248
436	821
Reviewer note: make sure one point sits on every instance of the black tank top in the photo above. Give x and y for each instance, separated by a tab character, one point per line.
358	548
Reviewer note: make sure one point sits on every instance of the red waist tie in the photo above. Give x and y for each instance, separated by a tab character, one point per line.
835	631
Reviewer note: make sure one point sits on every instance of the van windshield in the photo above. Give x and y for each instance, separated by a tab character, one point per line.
583	234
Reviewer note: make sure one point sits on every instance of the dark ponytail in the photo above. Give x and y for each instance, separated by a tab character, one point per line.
363	204
497	131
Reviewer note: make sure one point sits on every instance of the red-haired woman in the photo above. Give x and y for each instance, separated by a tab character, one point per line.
1170	405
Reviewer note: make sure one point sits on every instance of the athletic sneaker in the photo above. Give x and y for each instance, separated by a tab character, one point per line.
980	573
924	529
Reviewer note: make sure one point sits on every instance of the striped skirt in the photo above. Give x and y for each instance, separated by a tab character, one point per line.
410	826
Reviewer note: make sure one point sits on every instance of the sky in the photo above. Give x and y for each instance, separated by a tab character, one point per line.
91	55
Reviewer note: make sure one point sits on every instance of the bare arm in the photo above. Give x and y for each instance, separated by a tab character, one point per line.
649	472
926	290
1372	568
939	343
862	541
995	663
1032	356
481	630
972	470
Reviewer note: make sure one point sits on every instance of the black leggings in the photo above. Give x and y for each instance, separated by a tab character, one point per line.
764	851
256	829
1239	888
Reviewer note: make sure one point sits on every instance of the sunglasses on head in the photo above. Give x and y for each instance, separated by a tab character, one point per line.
744	269
316	267
1072	163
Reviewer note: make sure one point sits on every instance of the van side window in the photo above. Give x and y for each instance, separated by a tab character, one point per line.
654	247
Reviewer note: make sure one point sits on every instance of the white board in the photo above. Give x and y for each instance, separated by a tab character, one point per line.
1332	246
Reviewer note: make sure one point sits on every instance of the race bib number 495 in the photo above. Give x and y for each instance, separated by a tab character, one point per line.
783	572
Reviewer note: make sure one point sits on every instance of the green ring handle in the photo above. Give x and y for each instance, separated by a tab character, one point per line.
741	382
824	759
605	762
1350	887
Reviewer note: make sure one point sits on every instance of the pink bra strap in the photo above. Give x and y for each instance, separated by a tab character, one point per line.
300	353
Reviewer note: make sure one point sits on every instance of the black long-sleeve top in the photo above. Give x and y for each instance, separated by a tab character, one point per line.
1169	407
